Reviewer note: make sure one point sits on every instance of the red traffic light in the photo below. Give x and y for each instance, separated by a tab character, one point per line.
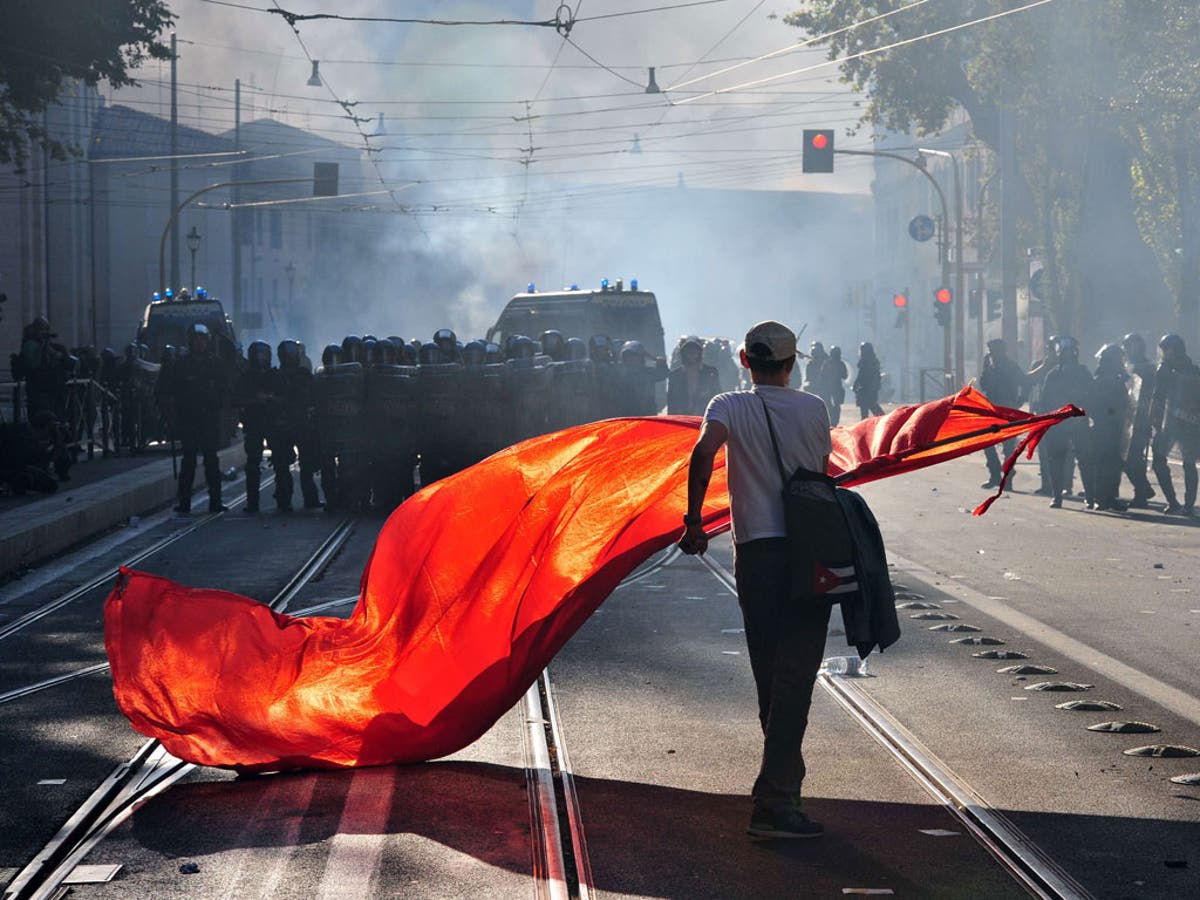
820	140
943	295
899	301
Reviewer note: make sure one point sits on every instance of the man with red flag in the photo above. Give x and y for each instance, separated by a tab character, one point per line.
785	634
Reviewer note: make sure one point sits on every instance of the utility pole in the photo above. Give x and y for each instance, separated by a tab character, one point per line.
1008	234
960	282
236	221
173	201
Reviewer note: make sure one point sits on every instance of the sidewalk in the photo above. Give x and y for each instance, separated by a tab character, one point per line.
101	495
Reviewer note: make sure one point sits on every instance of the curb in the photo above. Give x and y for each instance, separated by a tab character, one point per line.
48	527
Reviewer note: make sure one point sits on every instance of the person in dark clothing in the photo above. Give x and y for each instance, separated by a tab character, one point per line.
254	394
194	390
1003	382
1142	390
1066	382
785	623
41	363
867	379
635	381
691	384
835	382
1108	409
1175	417
816	377
292	429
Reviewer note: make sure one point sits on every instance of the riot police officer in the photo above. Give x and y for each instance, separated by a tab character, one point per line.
292	429
40	363
836	374
1066	382
1175	417
636	381
254	394
194	390
691	384
1003	382
1108	410
1142	391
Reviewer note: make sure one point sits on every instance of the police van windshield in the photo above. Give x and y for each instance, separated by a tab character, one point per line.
627	315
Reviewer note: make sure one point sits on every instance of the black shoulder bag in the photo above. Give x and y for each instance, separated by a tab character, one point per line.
819	541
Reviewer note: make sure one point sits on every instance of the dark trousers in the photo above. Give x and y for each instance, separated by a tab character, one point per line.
190	445
283	454
1135	465
786	641
1189	448
995	464
252	442
309	449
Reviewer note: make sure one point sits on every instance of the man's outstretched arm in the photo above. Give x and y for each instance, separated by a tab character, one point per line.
712	436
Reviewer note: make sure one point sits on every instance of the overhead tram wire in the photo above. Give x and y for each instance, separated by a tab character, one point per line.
865	53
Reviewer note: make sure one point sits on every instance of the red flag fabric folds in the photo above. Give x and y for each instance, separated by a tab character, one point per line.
474	584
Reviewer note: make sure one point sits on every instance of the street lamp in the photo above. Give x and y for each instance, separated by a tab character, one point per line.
193	242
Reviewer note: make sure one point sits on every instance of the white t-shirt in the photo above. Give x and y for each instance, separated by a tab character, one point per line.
801	423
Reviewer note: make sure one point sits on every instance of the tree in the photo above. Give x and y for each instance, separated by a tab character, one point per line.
1078	80
47	42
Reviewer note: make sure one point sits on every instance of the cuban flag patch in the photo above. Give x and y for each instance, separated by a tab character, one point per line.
834	579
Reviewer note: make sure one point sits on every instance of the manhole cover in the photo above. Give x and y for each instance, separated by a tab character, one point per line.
1191	778
1059	686
954	626
1089	706
929	616
1162	751
998	654
979	641
917	604
1027	669
1125	727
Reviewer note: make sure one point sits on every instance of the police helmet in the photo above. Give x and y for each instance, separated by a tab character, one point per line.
428	354
170	353
1135	345
1110	356
576	349
600	348
369	337
817	348
445	338
1068	348
1172	343
352	349
632	351
475	353
553	344
288	353
131	351
377	352
259	355
520	347
331	355
405	354
494	353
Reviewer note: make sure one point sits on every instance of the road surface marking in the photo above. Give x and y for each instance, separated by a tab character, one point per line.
358	845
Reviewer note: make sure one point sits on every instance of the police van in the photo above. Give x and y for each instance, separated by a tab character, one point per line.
627	314
170	321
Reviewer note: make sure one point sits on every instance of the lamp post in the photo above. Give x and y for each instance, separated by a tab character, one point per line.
959	274
193	242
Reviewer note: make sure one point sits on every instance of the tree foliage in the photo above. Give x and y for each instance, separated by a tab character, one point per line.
1100	94
45	44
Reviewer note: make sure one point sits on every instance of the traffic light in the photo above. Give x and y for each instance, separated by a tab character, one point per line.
900	301
942	299
818	151
994	301
974	302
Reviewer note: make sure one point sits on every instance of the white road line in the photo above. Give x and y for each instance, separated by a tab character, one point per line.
357	847
1171	698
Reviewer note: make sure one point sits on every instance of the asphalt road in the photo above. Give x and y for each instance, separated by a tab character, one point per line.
657	712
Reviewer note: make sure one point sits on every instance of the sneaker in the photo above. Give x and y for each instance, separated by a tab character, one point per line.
1174	510
789	823
990	483
1056	503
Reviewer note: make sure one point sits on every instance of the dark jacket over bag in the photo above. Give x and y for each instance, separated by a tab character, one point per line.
838	556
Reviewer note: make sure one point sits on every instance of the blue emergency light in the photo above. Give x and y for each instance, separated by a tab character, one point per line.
633	284
604	284
170	293
157	296
574	287
530	288
201	293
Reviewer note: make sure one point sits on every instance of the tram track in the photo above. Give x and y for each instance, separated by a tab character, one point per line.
106	577
1016	853
148	772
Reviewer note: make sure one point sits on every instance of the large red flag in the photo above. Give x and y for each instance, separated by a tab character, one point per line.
474	584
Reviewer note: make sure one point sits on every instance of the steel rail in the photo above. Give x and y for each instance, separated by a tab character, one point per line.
104	579
549	865
565	783
1027	863
150	771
